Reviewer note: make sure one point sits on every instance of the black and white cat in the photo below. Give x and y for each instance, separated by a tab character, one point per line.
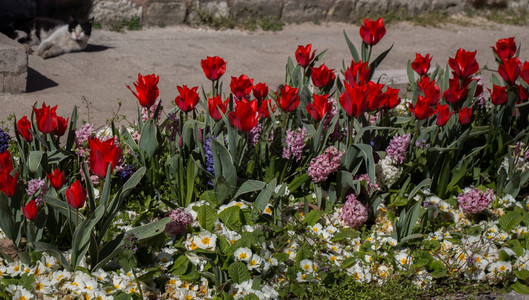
54	37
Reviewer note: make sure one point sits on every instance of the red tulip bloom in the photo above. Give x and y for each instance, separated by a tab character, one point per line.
464	64
505	48
24	129
56	178
372	31
188	98
510	69
62	124
46	118
30	210
375	99
523	94
321	76
464	115
524	73
6	163
216	106
392	98
264	112
241	87
498	94
214	67
102	154
319	107
303	56
430	89
8	183
245	116
455	93
146	89
76	195
421	64
357	73
260	91
289	99
443	114
422	109
353	100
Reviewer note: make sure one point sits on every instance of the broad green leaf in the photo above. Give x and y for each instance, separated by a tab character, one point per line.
239	272
520	287
263	198
180	265
250	186
148	139
34	160
51	250
312	217
509	220
206	217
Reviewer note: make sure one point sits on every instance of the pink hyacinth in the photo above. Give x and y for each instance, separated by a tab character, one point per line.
148	113
82	134
295	143
354	213
369	186
33	186
397	148
324	164
179	221
474	200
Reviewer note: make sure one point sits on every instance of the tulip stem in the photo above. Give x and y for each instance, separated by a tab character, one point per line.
369	54
137	281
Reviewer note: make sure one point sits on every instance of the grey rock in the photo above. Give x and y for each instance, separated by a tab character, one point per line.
449	5
364	8
109	12
243	9
305	11
166	13
342	11
409	6
13	66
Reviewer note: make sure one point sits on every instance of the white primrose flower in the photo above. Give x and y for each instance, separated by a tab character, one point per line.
243	254
255	262
307	266
268	210
403	260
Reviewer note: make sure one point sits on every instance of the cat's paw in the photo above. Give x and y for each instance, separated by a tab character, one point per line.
28	48
45	54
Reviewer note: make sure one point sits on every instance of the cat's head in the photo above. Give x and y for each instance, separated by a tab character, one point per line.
80	30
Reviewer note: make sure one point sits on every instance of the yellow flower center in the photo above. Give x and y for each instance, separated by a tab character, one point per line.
243	256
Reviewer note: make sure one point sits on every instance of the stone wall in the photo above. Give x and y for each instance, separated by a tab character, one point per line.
13	66
172	12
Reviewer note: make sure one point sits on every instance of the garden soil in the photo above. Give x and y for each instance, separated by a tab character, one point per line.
95	80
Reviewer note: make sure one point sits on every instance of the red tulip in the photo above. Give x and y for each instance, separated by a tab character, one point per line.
422	109
289	99
510	69
102	154
216	106
430	89
498	94
523	94
24	129
319	107
455	93
353	100
421	64
372	31
6	163
464	115
260	91
464	64
241	87
62	124
357	73
505	48
46	118
443	114
392	98
8	183
375	99
76	195
264	112
525	72
188	98
146	89
30	210
303	55
56	178
245	116
321	76
214	67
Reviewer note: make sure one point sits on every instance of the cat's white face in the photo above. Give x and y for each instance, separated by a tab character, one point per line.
77	33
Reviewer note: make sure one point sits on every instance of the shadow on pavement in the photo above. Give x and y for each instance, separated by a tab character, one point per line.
37	82
96	48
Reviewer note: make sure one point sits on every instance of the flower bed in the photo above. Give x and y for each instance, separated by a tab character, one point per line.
332	177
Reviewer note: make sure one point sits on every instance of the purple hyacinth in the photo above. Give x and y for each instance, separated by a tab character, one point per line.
173	126
4	140
125	173
82	134
324	164
474	200
295	141
179	221
254	135
354	213
33	187
397	148
209	156
131	242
